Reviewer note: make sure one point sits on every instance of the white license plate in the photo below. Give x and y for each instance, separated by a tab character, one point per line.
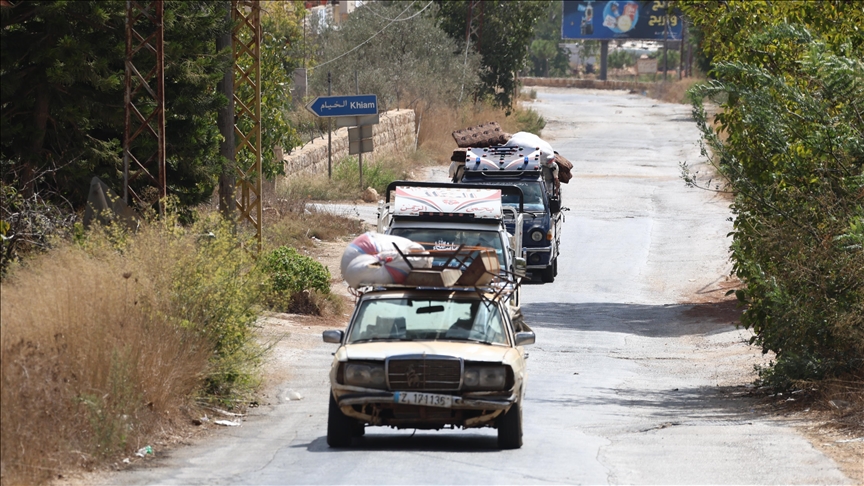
428	399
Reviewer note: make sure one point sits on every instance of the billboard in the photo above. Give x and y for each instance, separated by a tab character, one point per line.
620	19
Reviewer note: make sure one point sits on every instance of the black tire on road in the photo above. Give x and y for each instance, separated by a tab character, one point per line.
510	428
548	273
340	428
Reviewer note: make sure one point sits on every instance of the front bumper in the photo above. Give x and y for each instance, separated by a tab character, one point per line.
377	407
537	258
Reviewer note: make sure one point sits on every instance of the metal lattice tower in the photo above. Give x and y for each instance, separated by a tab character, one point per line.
144	138
246	44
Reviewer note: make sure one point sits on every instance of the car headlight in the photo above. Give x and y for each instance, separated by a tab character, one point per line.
365	375
485	378
537	235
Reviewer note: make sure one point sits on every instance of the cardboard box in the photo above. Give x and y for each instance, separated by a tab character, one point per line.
482	270
433	278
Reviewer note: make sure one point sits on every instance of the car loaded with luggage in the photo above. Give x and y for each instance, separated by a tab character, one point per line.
488	156
430	345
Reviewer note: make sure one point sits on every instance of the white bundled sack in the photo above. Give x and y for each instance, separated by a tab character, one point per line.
371	259
525	139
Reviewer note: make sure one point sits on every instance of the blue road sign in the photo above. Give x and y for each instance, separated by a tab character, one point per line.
353	105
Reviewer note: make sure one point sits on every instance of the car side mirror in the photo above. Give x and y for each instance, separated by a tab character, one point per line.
525	337
334	337
555	204
520	266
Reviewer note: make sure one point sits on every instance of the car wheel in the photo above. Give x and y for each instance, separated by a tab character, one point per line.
340	428
359	429
555	266
510	428
548	273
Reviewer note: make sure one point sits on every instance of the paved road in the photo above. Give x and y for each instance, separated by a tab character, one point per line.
628	382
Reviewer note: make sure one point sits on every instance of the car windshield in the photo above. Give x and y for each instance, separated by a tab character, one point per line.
450	239
532	193
408	319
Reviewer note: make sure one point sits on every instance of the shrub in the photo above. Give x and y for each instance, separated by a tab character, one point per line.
792	152
620	59
377	174
291	279
529	121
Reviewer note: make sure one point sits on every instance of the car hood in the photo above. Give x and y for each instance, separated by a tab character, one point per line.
467	351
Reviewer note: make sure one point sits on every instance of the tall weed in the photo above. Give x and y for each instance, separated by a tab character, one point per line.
87	368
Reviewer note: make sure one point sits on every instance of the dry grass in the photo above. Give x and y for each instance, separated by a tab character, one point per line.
88	368
292	221
674	91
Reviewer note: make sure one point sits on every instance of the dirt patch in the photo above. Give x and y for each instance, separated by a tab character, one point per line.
832	420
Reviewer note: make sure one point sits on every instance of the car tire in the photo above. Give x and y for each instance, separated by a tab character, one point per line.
548	273
340	428
510	428
555	266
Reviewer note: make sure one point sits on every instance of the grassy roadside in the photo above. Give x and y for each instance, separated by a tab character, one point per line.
115	339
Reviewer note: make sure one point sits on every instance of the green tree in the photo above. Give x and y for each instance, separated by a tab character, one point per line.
507	32
789	79
281	54
399	54
672	57
62	92
620	59
547	57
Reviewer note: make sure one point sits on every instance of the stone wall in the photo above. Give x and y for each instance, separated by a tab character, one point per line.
395	131
584	83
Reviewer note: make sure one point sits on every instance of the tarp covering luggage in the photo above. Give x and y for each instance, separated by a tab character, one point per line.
371	259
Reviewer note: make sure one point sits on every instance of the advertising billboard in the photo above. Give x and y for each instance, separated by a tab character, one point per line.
620	19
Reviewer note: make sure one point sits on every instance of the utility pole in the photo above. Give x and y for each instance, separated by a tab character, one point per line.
246	43
329	135
144	98
359	155
227	205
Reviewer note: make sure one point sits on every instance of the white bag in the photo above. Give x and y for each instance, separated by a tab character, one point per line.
371	259
525	139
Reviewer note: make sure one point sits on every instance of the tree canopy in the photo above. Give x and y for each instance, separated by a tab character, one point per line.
62	96
547	57
399	54
503	42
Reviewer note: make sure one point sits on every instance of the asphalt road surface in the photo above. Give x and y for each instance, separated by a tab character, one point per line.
637	375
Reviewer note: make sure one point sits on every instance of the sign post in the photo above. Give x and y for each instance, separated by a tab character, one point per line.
360	111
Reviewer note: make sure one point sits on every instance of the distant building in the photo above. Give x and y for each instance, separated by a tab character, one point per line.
331	11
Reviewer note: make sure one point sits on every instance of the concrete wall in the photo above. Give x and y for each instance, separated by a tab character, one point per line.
395	131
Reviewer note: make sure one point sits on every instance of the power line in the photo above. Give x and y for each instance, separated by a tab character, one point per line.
369	8
373	35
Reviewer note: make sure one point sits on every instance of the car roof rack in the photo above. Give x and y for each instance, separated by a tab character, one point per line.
481	276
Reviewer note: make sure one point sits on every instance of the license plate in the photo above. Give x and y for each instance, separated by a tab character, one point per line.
427	399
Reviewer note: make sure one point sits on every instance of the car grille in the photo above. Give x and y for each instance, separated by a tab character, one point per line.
424	374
